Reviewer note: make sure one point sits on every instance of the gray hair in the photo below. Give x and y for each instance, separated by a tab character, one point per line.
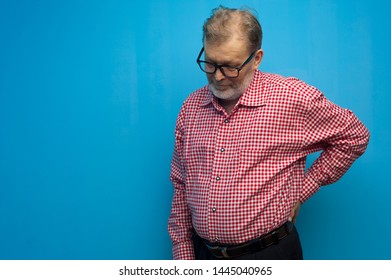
226	22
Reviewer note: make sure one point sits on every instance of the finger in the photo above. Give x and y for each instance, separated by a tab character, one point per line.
291	217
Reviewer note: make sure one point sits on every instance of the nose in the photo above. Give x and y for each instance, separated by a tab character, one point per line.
219	76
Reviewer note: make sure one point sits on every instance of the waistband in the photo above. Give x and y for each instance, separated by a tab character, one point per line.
255	245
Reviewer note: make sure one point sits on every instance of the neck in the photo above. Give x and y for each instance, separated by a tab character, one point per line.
228	105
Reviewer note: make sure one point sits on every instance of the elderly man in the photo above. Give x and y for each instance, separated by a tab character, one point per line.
241	142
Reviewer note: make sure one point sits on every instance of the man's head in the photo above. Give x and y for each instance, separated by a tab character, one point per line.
231	37
225	23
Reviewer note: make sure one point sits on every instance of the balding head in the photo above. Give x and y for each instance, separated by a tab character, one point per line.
226	24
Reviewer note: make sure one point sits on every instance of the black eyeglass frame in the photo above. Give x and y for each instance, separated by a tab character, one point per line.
217	66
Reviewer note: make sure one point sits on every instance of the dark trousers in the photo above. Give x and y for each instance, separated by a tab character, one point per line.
288	248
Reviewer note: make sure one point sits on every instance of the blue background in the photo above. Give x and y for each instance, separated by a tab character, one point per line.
89	94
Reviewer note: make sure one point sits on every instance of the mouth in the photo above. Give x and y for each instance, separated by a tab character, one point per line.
221	87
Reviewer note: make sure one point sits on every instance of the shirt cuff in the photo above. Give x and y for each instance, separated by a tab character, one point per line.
183	251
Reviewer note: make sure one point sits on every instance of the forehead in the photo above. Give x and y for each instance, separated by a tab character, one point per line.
232	51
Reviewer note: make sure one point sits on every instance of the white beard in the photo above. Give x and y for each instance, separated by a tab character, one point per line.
232	91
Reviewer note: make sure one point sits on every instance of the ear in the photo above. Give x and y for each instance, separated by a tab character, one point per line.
258	58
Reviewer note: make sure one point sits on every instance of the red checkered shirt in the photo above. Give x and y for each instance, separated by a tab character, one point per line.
238	176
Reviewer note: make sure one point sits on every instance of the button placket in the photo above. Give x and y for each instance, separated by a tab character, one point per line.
219	169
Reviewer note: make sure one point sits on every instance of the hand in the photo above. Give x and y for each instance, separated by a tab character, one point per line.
294	212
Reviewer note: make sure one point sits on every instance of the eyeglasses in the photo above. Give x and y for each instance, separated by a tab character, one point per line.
226	70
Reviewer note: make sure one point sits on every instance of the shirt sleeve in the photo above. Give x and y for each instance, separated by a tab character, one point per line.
341	137
179	224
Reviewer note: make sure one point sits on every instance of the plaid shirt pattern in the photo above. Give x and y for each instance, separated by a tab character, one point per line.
238	176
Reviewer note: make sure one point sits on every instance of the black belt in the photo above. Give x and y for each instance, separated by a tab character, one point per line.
255	245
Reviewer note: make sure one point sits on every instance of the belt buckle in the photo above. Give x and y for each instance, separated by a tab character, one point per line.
223	250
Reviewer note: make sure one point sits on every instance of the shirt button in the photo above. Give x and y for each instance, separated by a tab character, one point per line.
216	240
217	178
222	150
214	209
226	121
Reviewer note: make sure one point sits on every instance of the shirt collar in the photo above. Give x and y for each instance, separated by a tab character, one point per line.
254	96
208	96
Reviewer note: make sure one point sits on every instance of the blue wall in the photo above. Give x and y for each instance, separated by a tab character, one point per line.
89	94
